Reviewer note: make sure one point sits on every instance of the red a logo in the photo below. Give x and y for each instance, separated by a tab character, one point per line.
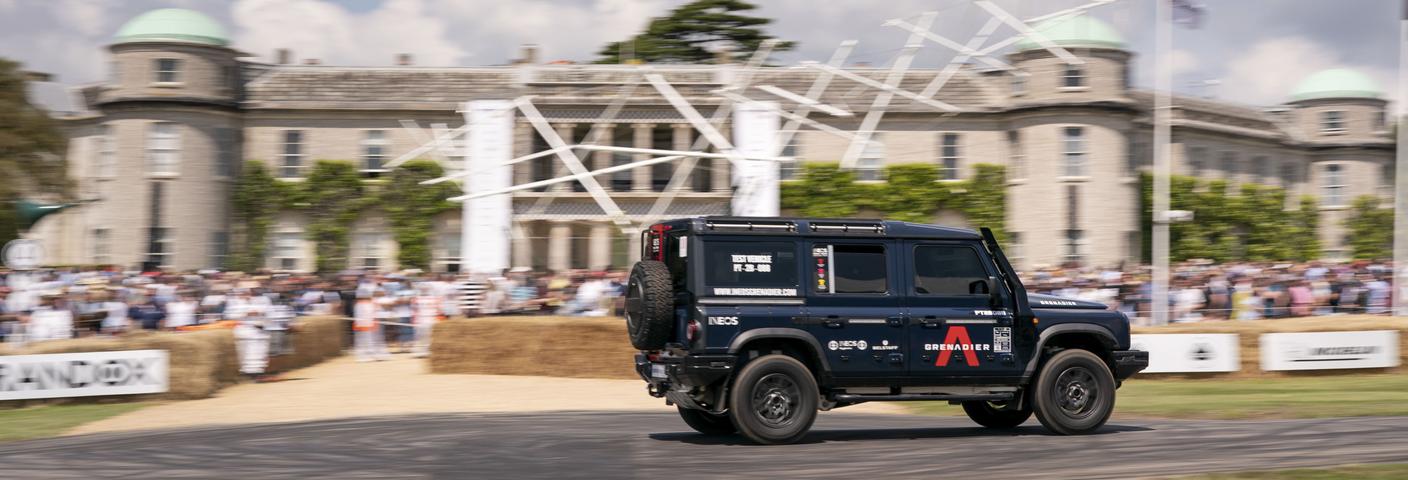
957	336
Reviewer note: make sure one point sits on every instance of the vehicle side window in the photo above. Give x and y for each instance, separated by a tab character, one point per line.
947	270
750	268
853	269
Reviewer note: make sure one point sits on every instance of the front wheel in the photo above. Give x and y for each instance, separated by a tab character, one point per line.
1075	393
774	400
707	423
993	415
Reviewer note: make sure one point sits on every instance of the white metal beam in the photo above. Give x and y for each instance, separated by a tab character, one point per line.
688	153
799	119
886	88
1028	32
982	56
568	178
801	100
957	62
887	91
425	147
570	159
1069	11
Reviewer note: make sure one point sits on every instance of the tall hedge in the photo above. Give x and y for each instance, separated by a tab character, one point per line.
911	192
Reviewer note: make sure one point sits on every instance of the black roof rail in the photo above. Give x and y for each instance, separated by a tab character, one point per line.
862	227
750	225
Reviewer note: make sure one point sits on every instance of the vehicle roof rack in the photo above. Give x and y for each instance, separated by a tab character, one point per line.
751	225
862	227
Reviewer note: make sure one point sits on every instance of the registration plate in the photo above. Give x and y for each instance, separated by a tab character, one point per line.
657	370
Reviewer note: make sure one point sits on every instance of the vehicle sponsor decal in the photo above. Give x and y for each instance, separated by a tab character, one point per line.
847	345
755	292
723	320
752	263
885	345
820	256
1061	303
1002	339
957	340
989	313
684	246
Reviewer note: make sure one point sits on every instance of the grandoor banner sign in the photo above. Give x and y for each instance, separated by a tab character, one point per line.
88	374
1189	353
1329	350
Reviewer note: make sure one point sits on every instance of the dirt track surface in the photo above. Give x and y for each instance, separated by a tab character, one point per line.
344	388
658	445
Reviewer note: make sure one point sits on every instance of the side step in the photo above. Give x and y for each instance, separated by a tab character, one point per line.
849	398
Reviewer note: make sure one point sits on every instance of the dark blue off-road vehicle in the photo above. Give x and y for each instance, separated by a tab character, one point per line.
752	325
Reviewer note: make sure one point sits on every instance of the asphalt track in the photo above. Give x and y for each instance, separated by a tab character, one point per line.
658	445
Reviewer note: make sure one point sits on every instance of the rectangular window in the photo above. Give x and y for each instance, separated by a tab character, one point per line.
1197	160
1074	152
541	168
1334	185
219	249
288	248
1386	178
1075	245
1380	121
369	253
225	152
869	167
1019	82
1288	175
168	70
1073	77
1331	121
662	138
373	151
1017	158
854	268
750	268
102	247
1229	166
160	249
163	149
449	251
949	157
291	162
622	181
948	270
1261	170
789	170
106	164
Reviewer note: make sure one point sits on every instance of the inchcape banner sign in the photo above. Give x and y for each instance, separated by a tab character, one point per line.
1189	353
128	372
1329	350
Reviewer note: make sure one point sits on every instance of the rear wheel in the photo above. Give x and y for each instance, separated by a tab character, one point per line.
707	423
773	400
1075	393
997	415
650	316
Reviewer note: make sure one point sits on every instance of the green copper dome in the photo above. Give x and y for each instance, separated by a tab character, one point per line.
1336	83
173	25
1077	31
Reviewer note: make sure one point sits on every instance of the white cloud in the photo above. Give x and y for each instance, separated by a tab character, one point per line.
1267	72
322	30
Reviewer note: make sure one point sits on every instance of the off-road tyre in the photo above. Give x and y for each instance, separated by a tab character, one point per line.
773	400
1001	416
650	316
1074	393
707	423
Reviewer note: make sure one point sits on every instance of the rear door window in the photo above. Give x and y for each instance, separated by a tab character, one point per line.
847	268
746	268
947	270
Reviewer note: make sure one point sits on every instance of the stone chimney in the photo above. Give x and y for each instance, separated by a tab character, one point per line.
529	54
404	60
283	56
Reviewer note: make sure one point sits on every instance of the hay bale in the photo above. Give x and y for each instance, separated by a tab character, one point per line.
1250	340
200	363
317	339
577	347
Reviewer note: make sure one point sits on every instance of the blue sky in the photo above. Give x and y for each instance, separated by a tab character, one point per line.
1253	51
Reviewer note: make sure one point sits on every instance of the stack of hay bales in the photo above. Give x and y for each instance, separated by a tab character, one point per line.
200	362
1250	339
579	347
317	339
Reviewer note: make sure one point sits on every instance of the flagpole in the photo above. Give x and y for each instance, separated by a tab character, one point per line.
1163	104
1400	190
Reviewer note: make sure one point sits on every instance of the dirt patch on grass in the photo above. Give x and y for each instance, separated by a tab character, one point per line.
577	347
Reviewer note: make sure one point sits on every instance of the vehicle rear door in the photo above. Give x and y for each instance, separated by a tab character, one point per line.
853	306
954	328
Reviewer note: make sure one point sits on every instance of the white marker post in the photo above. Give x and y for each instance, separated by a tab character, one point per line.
755	126
484	228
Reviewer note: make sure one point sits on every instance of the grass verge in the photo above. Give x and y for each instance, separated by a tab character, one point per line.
1262	398
1356	472
50	420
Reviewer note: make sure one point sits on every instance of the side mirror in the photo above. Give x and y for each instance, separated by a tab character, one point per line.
986	286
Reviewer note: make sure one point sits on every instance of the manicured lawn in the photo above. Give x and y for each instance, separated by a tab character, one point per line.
50	420
1295	397
1356	472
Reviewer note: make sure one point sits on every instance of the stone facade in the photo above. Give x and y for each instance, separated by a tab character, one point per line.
1074	139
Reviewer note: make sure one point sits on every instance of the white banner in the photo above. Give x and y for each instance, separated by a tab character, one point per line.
88	374
484	237
1189	353
755	126
1329	350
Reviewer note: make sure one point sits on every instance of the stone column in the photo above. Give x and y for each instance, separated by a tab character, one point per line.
721	182
523	244
559	169
683	140
559	246
522	145
600	160
640	176
599	246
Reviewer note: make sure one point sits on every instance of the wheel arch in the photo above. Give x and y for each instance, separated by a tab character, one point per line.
805	346
1094	338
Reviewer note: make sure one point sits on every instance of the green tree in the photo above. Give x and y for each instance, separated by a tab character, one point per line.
257	197
333	198
412	208
1252	224
32	150
1370	229
910	193
688	33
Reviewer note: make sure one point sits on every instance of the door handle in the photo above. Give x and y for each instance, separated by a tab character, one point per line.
931	321
833	321
895	321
